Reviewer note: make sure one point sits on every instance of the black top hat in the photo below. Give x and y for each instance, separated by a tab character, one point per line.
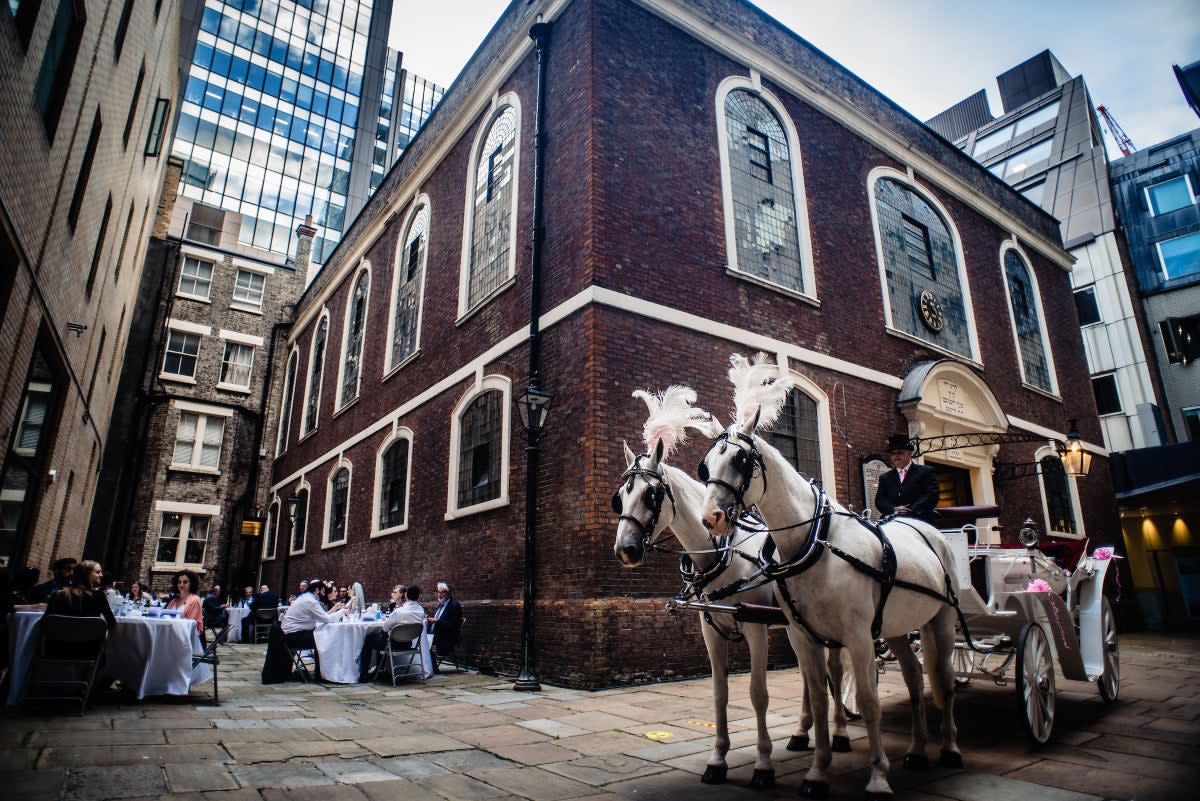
899	442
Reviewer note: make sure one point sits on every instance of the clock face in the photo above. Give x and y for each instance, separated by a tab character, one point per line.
931	312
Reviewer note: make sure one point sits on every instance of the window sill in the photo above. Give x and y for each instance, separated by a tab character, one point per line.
268	558
180	379
467	314
247	308
791	293
238	388
327	545
971	360
196	298
160	567
393	530
348	405
190	468
296	553
1044	392
307	434
467	511
402	364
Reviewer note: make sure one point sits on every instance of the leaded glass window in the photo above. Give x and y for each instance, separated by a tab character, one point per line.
393	485
356	322
796	434
316	367
285	411
1058	496
1022	298
919	257
479	449
764	205
410	275
494	203
300	522
339	499
271	534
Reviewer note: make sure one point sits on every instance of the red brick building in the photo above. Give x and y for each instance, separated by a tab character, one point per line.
712	184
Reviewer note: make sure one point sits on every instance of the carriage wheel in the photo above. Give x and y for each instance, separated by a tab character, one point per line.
1110	682
1035	683
963	662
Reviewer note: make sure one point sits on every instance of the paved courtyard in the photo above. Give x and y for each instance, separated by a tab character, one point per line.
466	736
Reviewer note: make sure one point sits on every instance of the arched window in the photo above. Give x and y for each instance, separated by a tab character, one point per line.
271	534
1056	497
761	176
1027	322
493	203
479	442
285	408
393	485
796	434
409	279
352	345
338	506
300	525
316	366
921	269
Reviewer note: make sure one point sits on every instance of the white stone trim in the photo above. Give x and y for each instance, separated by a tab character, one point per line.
308	382
282	432
181	508
1014	245
343	462
188	327
400	433
201	408
237	336
808	387
488	383
301	486
753	84
277	505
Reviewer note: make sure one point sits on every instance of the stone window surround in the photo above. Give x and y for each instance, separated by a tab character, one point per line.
399	433
1012	244
204	411
481	385
187	510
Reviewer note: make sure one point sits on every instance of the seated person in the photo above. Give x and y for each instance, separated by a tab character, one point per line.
11	600
265	599
305	613
187	601
62	571
445	623
215	613
82	599
406	610
138	594
247	597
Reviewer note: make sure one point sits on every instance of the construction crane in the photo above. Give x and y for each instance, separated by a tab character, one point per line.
1117	132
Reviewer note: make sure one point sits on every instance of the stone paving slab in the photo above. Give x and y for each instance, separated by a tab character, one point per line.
199	777
537	784
102	784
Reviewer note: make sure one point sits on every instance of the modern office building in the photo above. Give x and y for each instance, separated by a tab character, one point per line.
406	102
281	113
1048	146
88	97
1158	199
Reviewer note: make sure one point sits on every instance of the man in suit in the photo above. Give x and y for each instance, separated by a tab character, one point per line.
908	489
62	575
264	600
445	623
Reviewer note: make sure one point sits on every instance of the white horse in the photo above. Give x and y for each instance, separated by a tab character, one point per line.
654	496
823	591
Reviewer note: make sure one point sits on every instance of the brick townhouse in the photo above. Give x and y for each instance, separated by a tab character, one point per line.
711	184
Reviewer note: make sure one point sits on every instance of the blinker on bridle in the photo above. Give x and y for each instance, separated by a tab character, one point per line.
745	462
657	491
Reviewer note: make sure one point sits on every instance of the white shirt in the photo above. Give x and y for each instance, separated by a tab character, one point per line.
408	612
305	613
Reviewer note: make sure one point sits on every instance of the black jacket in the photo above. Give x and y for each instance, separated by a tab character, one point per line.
919	492
265	600
446	628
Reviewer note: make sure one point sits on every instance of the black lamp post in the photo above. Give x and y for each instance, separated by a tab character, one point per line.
292	503
534	409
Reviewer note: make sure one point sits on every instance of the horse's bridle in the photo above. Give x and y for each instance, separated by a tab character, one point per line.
657	492
747	461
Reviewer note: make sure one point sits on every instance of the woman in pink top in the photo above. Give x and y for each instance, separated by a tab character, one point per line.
188	602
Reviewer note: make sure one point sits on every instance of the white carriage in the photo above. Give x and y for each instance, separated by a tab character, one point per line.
1016	627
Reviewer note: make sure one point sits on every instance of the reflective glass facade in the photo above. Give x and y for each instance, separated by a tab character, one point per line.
278	93
407	101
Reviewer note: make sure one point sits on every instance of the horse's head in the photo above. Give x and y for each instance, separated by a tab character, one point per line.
732	471
641	501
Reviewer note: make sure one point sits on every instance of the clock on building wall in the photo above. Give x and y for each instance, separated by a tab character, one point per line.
931	312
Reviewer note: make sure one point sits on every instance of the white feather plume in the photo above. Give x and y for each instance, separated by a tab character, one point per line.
671	415
758	385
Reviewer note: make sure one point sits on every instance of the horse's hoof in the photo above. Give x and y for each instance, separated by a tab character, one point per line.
715	774
816	790
763	779
841	743
916	762
950	759
798	743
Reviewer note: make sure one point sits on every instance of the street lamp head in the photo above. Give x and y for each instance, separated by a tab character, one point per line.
293	502
1076	460
534	408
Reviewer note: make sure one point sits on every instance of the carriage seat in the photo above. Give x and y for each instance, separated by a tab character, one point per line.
961	515
1066	552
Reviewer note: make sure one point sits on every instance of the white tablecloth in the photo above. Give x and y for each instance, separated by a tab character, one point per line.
340	644
236	615
151	656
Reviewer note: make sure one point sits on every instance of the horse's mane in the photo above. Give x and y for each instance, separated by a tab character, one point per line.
759	387
671	415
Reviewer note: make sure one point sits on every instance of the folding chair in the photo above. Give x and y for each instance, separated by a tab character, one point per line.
67	659
454	655
300	659
402	657
209	657
263	620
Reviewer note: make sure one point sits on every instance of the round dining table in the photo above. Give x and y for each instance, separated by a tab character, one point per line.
236	615
339	646
149	655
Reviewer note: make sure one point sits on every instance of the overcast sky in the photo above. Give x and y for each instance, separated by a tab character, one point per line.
925	55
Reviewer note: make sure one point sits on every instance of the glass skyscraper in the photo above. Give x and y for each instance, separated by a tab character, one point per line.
281	114
402	111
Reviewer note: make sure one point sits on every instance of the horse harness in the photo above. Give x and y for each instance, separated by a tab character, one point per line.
657	491
816	543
